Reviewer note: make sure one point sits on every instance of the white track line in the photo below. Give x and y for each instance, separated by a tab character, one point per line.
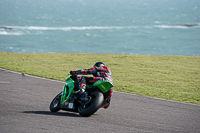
114	91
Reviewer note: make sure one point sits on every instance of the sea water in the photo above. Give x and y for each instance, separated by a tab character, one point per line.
145	27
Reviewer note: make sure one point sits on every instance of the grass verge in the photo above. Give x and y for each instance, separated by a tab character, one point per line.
168	77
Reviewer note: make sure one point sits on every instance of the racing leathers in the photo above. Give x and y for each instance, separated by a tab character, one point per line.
99	73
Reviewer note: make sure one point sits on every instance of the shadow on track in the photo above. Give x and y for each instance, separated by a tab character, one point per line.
71	114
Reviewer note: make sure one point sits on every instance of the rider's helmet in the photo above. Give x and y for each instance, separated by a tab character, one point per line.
99	64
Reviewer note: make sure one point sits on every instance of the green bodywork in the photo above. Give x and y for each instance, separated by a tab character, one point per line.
104	86
68	88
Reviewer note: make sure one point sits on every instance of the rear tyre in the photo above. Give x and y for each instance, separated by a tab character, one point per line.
91	107
55	104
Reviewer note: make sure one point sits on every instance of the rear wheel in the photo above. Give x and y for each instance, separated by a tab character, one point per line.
55	104
94	104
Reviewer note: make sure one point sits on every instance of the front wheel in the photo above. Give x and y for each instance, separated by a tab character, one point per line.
55	104
91	107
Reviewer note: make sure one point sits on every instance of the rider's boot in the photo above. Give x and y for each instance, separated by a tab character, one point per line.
82	94
81	91
106	104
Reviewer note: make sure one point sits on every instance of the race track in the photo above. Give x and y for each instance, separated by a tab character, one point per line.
25	103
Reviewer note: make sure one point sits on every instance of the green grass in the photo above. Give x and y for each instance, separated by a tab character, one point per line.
168	77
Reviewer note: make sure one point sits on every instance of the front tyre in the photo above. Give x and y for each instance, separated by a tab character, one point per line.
55	104
91	107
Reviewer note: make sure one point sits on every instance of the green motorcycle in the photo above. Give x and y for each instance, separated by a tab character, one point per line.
68	101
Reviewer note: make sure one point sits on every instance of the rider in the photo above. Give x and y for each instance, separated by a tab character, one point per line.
100	72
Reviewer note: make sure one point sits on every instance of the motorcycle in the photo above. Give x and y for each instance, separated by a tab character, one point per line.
87	104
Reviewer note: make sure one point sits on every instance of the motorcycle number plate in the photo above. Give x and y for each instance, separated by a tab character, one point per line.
71	105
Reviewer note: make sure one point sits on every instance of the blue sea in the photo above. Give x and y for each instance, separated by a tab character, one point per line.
135	27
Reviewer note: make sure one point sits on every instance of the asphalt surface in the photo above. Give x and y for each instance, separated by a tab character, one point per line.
24	108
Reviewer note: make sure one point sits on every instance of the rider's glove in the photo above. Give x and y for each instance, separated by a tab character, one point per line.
73	72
